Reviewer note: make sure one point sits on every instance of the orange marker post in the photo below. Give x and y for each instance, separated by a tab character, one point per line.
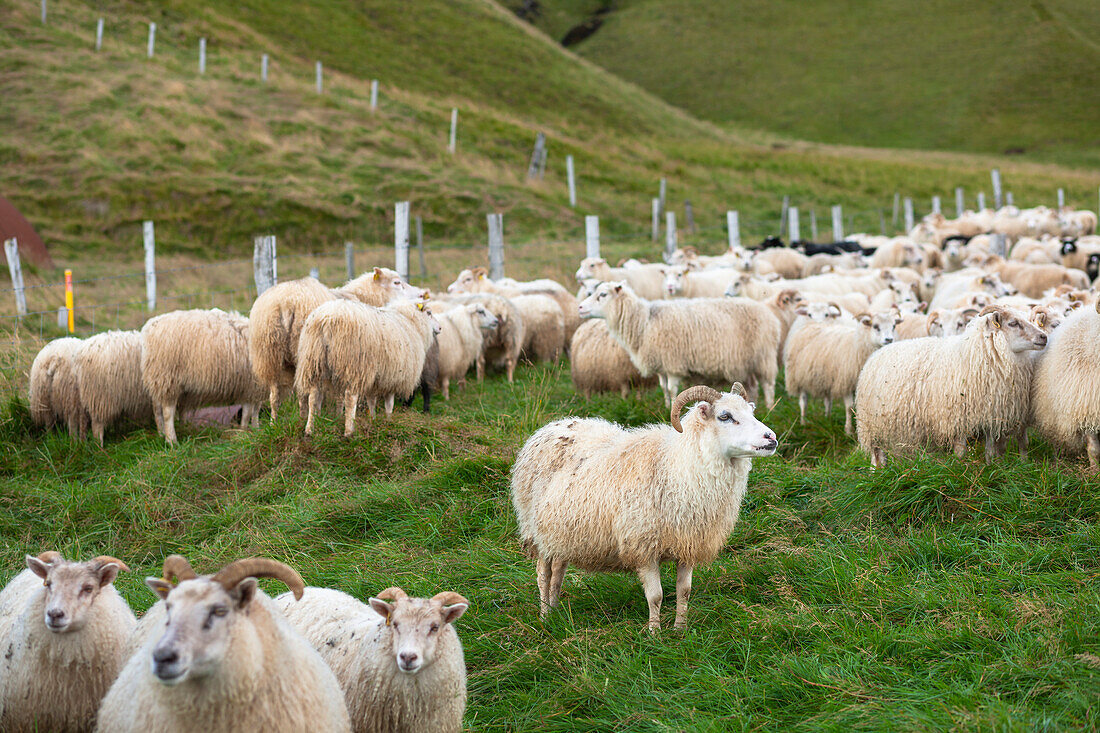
69	299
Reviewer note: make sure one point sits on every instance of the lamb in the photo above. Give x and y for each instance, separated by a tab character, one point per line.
605	498
729	339
226	660
1065	396
108	376
932	392
461	340
400	664
503	346
599	363
63	630
543	327
54	396
824	359
278	314
196	358
362	351
477	281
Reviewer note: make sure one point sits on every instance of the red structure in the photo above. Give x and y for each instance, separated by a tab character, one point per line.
14	224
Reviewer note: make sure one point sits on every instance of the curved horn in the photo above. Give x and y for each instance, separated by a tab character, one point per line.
989	309
176	569
102	560
260	567
50	557
739	390
449	597
392	593
691	394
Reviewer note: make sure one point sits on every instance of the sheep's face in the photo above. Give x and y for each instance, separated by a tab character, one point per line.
200	618
468	281
819	312
483	317
71	590
738	432
904	292
1047	319
390	280
1021	334
588	286
416	625
736	288
674	279
595	305
882	326
590	267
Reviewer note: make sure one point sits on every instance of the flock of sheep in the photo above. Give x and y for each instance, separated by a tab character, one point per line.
931	340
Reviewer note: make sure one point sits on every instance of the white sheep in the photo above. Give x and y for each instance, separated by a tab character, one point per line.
461	339
53	394
1065	398
63	632
399	663
503	345
683	282
543	327
225	660
940	392
647	280
732	339
196	358
477	280
108	375
824	359
362	351
599	363
604	498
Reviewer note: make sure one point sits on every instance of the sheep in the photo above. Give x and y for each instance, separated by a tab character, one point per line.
646	280
1081	254
604	498
278	314
788	263
940	392
955	285
1034	280
477	281
949	322
54	396
63	639
898	252
461	341
501	347
1065	396
226	660
543	327
429	377
399	663
824	359
362	351
108	376
729	339
599	363
597	268
196	358
683	282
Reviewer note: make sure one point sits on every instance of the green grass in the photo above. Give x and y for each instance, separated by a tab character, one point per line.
989	77
937	593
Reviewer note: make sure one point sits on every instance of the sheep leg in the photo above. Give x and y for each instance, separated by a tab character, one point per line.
1092	443
510	369
802	400
683	591
256	416
673	383
878	458
650	575
769	393
314	406
849	400
389	405
542	567
246	415
480	368
446	387
663	381
828	405
97	432
351	401
960	448
158	418
372	402
624	391
273	399
170	424
557	575
1022	442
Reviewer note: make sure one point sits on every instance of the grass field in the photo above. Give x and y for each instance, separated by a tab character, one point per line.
937	593
1009	78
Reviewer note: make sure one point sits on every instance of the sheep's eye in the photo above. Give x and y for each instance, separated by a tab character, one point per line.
395	626
726	417
1013	323
219	611
434	628
86	589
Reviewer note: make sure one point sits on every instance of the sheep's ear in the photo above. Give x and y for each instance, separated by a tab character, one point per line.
453	613
244	592
864	319
995	319
160	586
107	573
377	273
922	307
704	409
37	567
835	310
1041	320
383	609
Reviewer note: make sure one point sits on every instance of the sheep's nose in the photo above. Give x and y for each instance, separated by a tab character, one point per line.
408	659
55	614
165	655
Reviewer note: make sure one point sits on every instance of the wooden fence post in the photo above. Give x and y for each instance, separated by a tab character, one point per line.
571	180
320	74
15	269
733	228
936	206
981	200
897	209
43	12
999	243
783	216
454	129
420	245
263	68
908	214
537	156
152	39
838	224
202	55
960	202
1008	199
662	193
496	246
315	273
401	239
263	263
670	234
373	94
591	236
656	207
349	259
998	199
1061	198
813	224
150	244
794	226
99	34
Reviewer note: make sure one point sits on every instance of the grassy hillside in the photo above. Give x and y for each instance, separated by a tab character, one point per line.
1012	78
934	594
